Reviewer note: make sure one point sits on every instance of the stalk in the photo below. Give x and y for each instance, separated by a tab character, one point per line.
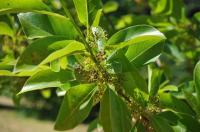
87	46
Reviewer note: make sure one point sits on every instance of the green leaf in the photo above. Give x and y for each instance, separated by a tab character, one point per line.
172	8
35	25
28	73
82	11
63	26
179	10
46	93
180	120
94	125
14	6
65	87
129	83
36	52
76	106
43	24
159	124
197	16
163	7
168	101
155	76
6	69
55	65
97	18
114	114
63	62
179	128
138	128
192	101
71	48
138	57
5	29
170	117
131	76
6	73
142	56
135	34
47	79
110	6
94	6
145	43
6	66
189	122
88	11
197	81
168	88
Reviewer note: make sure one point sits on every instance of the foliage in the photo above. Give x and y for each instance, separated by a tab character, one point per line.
69	49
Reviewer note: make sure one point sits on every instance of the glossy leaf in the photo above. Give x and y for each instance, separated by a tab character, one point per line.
179	128
131	77
43	24
71	48
6	66
63	26
36	52
47	79
179	10
55	65
46	93
53	57
197	81
168	101
97	18
189	122
159	124
145	43
114	114
94	8
163	7
94	125
76	106
180	121
155	76
35	25
63	62
142	56
28	73
110	6
168	88
5	29
197	16
192	101
169	116
6	73
82	10
172	8
14	6
135	34
87	10
65	87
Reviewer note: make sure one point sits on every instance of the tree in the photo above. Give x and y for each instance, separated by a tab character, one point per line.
76	56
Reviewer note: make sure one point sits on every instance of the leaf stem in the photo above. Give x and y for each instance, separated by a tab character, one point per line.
88	48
